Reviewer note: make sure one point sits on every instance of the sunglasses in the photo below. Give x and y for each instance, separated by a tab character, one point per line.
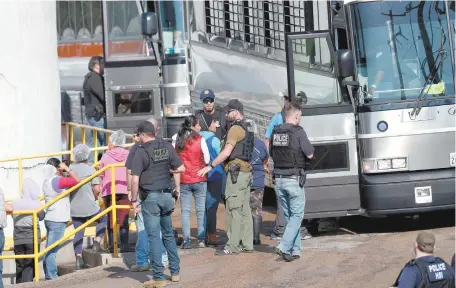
208	101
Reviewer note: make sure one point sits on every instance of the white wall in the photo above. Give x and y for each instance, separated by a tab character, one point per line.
29	89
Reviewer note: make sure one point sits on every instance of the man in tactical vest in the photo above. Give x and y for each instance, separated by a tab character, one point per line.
207	96
290	148
277	120
237	147
425	270
152	164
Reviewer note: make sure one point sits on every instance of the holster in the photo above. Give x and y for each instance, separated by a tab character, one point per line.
234	170
302	178
142	194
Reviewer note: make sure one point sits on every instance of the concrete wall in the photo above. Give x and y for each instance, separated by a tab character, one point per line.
29	90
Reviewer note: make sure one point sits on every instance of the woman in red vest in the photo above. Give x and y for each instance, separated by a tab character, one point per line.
192	149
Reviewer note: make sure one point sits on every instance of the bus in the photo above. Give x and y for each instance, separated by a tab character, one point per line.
378	78
136	81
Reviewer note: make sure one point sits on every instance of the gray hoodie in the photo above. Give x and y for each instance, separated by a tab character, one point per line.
23	224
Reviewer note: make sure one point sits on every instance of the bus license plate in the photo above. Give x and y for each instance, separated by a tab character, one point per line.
423	195
453	159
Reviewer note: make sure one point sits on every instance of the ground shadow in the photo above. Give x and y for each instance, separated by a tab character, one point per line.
119	272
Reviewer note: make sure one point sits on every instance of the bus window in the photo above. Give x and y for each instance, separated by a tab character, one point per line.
172	23
136	103
123	31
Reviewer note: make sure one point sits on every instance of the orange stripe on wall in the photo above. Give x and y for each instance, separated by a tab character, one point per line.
90	49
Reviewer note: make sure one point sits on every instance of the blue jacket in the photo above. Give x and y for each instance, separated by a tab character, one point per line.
213	144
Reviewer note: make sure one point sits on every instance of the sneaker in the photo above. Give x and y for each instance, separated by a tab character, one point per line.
186	245
247	251
175	278
287	257
137	268
201	244
155	283
295	257
225	252
275	237
305	236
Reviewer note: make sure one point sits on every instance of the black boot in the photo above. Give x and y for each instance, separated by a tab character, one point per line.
110	240
256	230
124	240
79	263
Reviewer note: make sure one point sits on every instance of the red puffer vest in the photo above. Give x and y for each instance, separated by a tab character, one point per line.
193	159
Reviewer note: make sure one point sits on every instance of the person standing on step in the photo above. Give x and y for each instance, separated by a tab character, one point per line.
116	155
23	229
58	214
83	202
259	162
193	151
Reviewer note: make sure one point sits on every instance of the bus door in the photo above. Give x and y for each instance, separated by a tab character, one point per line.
332	186
132	79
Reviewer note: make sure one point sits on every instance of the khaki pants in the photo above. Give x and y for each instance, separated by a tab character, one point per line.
239	224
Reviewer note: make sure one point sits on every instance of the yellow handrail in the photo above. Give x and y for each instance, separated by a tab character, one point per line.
36	255
71	127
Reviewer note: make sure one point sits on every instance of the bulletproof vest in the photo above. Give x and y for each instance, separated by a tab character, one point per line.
217	116
244	148
157	175
284	151
436	274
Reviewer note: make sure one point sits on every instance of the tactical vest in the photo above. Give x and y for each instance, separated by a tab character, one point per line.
244	148
217	116
157	175
436	274
284	151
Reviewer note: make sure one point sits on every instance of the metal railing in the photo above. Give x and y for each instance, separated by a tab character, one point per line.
36	254
70	131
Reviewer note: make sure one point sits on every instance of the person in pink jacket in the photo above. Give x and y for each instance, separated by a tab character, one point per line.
115	155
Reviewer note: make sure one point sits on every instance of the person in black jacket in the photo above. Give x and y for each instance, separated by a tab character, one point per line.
94	100
207	96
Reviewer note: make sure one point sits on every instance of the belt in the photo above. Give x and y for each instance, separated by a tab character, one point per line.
296	177
159	191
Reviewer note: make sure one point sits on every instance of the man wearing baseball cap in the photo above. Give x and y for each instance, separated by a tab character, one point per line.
425	270
237	148
207	96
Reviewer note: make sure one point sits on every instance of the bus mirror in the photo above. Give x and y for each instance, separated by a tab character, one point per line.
149	24
345	63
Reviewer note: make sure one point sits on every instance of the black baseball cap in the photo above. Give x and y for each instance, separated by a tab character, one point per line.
146	127
234	104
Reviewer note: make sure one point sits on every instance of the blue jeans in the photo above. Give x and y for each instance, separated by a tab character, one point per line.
142	245
2	245
55	231
156	210
292	198
198	190
101	139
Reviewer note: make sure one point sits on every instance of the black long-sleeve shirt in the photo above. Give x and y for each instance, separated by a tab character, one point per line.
94	96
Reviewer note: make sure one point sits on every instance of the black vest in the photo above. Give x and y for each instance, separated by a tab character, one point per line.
217	116
244	148
157	175
285	152
436	274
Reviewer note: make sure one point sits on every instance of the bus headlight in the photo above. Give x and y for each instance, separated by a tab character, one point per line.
384	164
368	165
178	110
399	163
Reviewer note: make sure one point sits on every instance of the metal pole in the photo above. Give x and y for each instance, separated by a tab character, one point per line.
83	135
114	212
35	246
19	166
71	141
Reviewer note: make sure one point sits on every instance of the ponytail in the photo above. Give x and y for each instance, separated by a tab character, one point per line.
186	132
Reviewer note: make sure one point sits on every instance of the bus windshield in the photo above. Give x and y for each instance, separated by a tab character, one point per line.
402	47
